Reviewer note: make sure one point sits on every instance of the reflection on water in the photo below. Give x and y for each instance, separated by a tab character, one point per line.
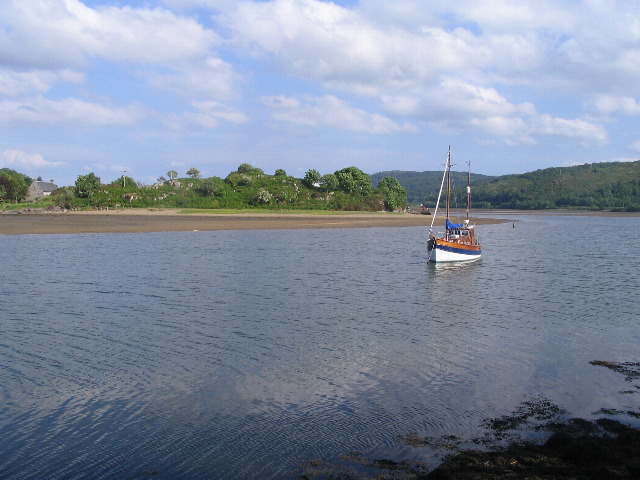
445	267
241	354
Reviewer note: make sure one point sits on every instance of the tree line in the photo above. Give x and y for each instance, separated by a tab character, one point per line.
247	187
595	186
614	185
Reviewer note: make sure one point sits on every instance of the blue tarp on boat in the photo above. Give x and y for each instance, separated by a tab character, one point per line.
451	226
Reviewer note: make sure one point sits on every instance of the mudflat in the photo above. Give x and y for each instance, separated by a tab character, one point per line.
167	220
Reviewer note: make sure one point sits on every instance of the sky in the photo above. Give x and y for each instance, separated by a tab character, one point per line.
141	87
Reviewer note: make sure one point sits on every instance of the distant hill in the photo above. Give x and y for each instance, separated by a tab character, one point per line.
423	187
613	185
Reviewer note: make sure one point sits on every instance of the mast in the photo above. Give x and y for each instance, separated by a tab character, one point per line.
468	188
448	180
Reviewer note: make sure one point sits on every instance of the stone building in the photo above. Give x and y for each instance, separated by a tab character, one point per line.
40	189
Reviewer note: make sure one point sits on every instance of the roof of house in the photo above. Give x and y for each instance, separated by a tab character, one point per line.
47	186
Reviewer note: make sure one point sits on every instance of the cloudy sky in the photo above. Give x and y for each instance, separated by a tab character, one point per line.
146	86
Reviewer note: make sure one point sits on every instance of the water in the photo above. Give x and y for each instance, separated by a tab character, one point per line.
241	354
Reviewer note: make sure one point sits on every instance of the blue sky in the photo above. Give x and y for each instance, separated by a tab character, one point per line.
108	86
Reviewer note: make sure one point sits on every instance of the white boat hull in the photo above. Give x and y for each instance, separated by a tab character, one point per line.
441	255
441	250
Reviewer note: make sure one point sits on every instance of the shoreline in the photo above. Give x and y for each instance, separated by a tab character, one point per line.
169	220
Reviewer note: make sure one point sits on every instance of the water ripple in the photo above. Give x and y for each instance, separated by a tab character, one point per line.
241	354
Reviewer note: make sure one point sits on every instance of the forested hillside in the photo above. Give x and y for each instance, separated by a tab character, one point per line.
423	187
614	185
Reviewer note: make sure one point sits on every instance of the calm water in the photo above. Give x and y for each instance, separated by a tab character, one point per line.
241	354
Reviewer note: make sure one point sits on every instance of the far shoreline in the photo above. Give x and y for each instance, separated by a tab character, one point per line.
142	220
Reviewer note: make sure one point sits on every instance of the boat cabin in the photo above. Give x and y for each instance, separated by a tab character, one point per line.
461	233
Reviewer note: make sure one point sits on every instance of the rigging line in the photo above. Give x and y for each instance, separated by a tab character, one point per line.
435	213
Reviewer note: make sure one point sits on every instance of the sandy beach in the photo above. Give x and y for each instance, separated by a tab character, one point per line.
168	220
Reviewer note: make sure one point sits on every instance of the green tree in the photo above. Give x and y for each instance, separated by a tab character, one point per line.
248	168
328	182
311	178
87	185
193	172
395	195
172	174
353	180
63	197
211	186
14	186
280	173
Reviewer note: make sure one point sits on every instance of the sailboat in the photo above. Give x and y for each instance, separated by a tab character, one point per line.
459	243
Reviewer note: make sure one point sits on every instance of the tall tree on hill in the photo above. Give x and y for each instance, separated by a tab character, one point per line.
329	182
311	178
193	172
395	195
87	185
353	180
13	185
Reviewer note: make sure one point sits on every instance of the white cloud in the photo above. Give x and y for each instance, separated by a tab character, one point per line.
455	105
332	112
172	52
577	128
17	83
28	161
341	48
70	33
38	109
514	128
610	104
211	4
407	66
507	16
459	96
370	50
211	78
403	56
207	115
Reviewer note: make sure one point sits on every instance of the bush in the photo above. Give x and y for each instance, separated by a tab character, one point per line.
239	180
248	168
63	197
211	186
262	197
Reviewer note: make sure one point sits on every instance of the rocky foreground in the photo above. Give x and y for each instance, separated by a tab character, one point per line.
575	448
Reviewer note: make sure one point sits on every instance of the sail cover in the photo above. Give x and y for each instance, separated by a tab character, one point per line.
451	226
